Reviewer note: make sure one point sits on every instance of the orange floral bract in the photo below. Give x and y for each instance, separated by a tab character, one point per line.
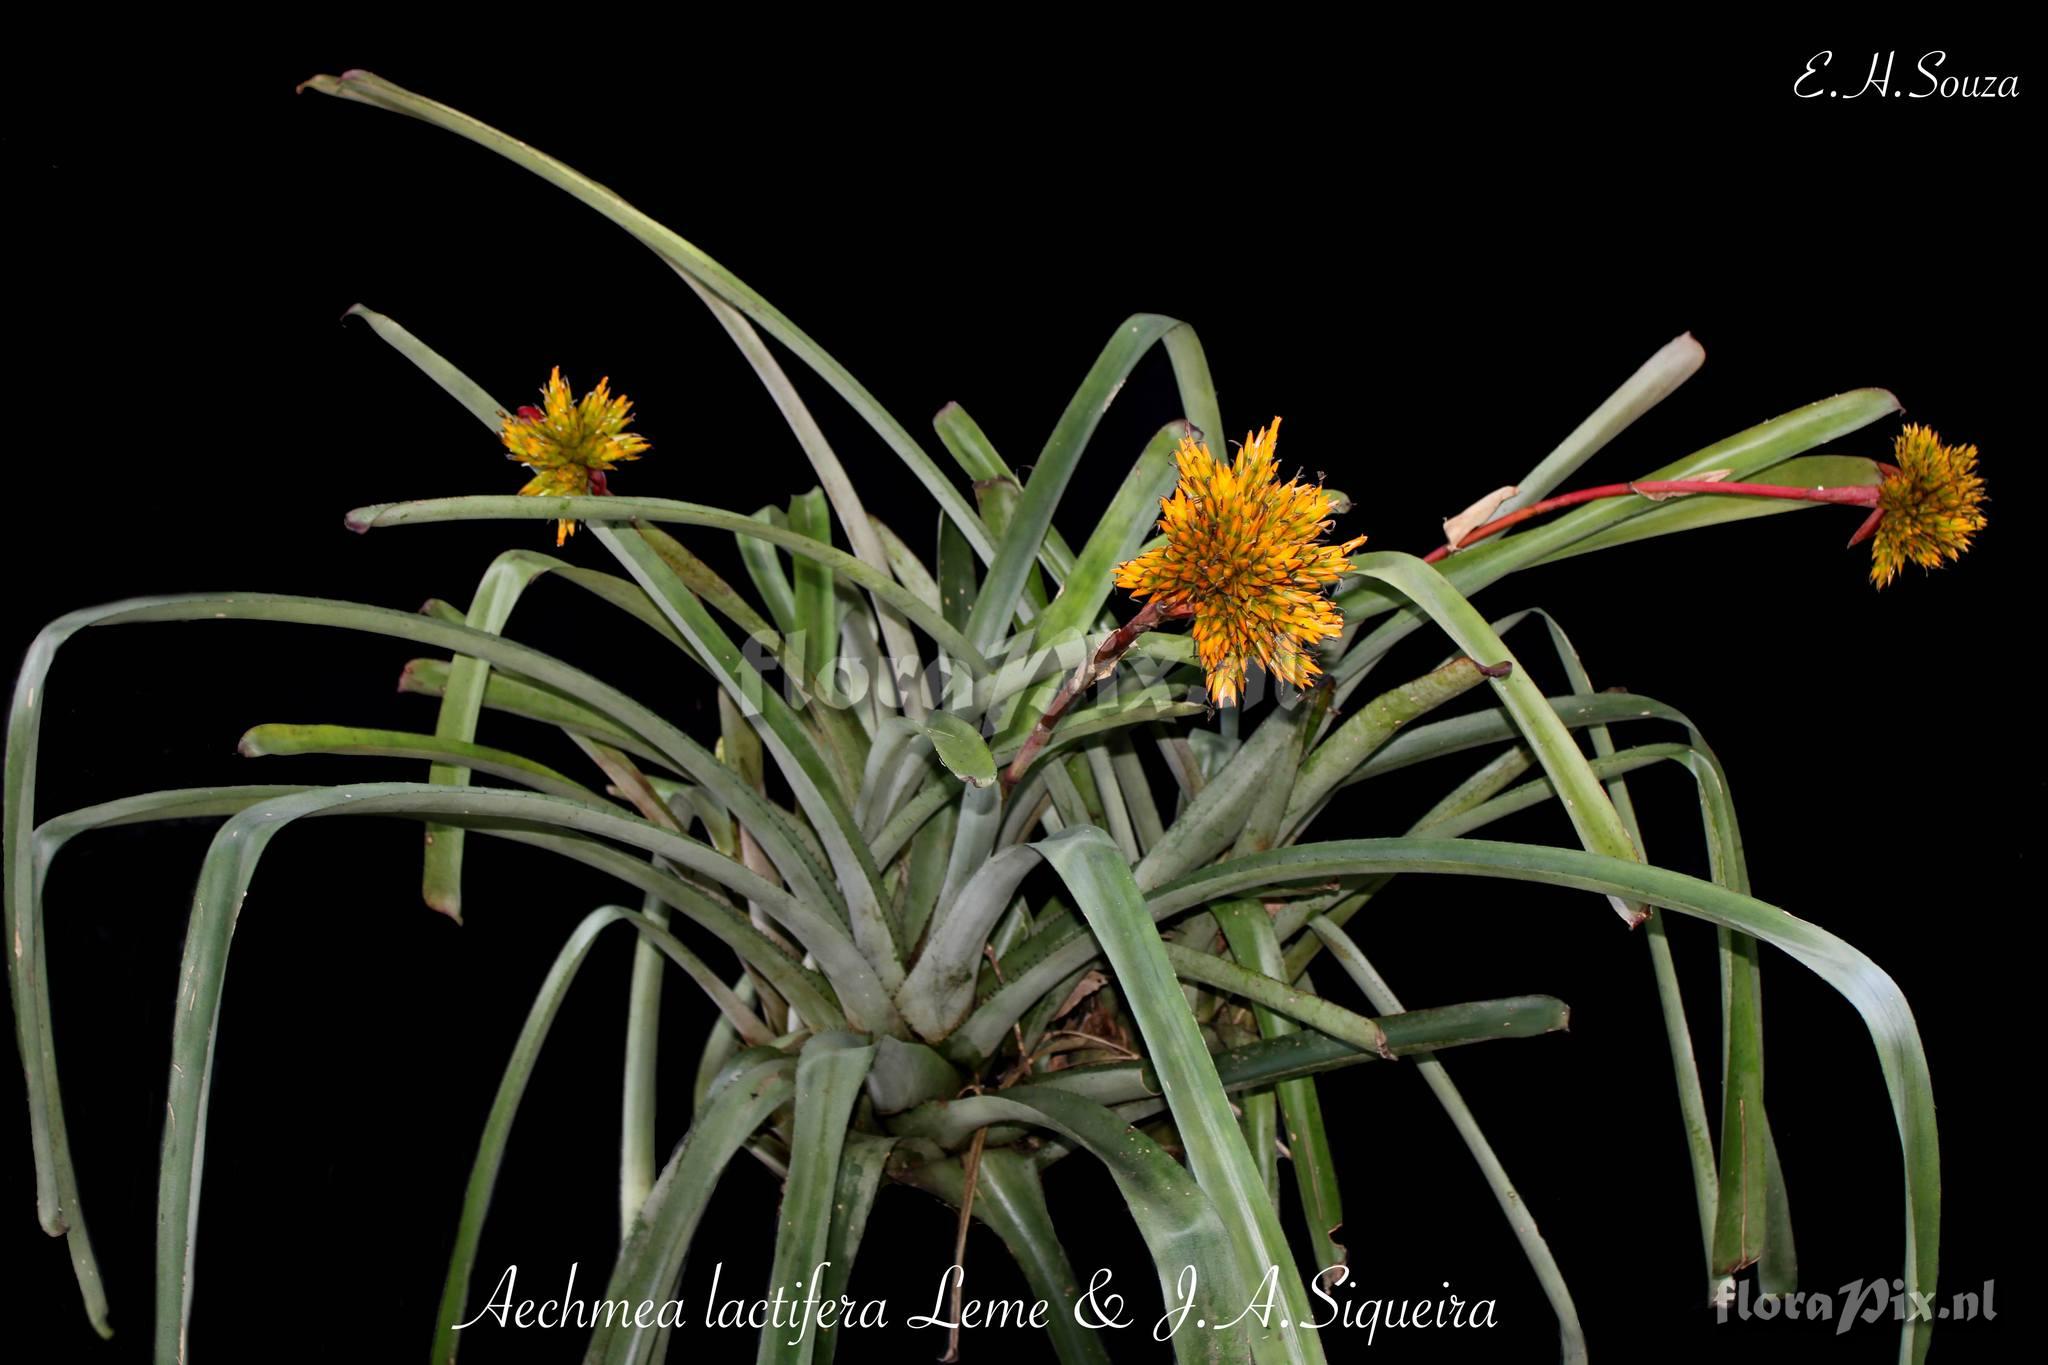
1929	505
1243	555
571	445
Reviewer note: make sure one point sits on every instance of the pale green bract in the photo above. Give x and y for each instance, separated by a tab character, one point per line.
908	930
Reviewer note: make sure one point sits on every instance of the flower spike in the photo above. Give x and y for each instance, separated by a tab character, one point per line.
1243	556
1929	505
571	445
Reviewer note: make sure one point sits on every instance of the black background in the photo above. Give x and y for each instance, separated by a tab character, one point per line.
1432	260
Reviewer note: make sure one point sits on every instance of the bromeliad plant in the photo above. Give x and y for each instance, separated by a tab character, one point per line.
899	1006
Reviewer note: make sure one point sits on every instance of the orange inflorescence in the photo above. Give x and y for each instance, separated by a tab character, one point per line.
571	445
1929	505
1242	554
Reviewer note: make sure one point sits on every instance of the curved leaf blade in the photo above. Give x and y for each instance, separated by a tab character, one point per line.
1109	899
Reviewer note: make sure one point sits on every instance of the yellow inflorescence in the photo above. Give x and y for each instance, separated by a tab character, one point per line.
1930	505
569	445
1241	553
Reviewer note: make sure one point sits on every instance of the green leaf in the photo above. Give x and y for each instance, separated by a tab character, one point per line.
177	805
461	706
1256	948
1874	994
796	756
739	748
976	455
721	1044
1592	813
1495	726
896	758
56	1185
459	386
905	1075
783	971
838	488
1736	1231
990	619
268	741
1274	994
511	507
1512	1205
365	88
764	571
1124	525
184	803
957	591
861	1166
1010	1201
718	594
1069	804
1127	707
1114	813
1677	361
960	747
829	1073
939	990
1259	1118
1271	1061
816	614
909	570
640	1085
431	678
503	584
981	816
1137	787
1778	1267
1197	389
998	500
1671	1003
1263	823
753	1085
1176	1217
1740	1219
938	796
1760	447
1029	657
1213	819
223	884
1365	732
490	1156
931	848
1109	899
489	808
775	830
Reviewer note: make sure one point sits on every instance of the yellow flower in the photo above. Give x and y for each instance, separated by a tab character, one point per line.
1928	506
1241	556
569	445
